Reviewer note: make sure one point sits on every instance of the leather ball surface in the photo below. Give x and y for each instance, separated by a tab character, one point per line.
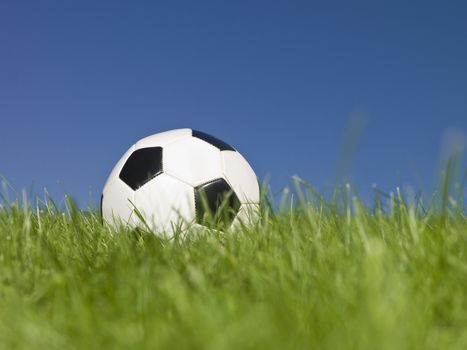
180	178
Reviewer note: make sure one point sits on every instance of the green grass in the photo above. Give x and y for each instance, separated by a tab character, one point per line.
312	275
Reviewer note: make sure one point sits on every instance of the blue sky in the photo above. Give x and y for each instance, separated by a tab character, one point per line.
80	81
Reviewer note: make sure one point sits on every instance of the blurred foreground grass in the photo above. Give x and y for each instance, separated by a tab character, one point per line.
309	275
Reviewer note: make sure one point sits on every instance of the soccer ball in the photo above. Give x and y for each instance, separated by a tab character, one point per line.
177	179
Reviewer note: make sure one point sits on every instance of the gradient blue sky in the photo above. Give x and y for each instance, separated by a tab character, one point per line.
80	81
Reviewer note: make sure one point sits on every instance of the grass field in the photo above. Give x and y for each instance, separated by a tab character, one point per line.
314	275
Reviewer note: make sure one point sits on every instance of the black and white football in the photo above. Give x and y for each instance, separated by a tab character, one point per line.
180	178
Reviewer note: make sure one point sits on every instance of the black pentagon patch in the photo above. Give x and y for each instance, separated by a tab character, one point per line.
223	146
101	209
216	203
143	165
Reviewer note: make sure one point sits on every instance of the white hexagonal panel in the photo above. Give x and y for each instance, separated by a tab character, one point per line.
116	205
240	176
192	160
165	201
247	215
164	138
